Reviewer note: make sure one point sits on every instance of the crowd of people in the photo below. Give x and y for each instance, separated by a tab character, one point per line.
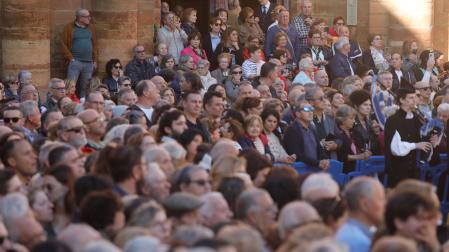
193	148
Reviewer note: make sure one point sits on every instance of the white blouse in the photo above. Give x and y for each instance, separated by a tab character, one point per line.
276	147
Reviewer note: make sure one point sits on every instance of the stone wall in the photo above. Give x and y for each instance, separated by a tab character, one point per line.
30	29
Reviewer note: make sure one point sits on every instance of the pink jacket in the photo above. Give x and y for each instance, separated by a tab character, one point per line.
189	51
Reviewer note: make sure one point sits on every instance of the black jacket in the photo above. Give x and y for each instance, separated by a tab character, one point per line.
138	71
265	20
211	54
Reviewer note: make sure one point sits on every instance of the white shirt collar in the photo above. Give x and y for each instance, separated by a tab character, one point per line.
267	6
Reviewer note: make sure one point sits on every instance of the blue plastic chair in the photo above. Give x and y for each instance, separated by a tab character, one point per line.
435	171
370	167
335	170
444	205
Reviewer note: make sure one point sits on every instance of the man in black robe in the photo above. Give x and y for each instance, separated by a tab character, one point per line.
402	140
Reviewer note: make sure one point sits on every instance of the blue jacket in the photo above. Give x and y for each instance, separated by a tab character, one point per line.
112	84
341	66
291	45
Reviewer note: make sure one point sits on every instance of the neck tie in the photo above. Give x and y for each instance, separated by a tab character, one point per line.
264	9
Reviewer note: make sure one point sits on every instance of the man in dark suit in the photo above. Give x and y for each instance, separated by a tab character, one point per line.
401	78
263	12
341	66
301	138
211	40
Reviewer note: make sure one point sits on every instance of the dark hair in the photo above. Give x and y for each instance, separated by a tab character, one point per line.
64	175
188	135
56	155
213	87
212	243
134	116
141	87
183	176
166	120
271	112
118	162
90	183
253	48
231	188
5	177
371	37
358	97
194	35
8	146
50	245
110	64
330	209
194	80
258	162
267	68
209	95
403	92
405	204
98	209
235	127
218	11
114	122
247	103
164	65
235	115
278	53
282	184
159	111
132	130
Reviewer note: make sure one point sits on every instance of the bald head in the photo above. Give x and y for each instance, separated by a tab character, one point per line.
159	82
223	147
88	115
4	130
295	214
394	244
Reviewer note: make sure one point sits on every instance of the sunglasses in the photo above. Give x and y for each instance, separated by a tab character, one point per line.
239	72
126	85
307	109
217	24
76	129
118	67
201	182
11	119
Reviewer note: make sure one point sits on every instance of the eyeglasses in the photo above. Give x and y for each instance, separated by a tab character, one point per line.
76	129
118	67
11	119
201	182
237	72
307	109
60	89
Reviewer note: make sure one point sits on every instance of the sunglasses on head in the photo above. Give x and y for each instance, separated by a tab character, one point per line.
11	119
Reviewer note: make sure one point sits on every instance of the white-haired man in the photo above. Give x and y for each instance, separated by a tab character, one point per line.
306	71
341	65
214	210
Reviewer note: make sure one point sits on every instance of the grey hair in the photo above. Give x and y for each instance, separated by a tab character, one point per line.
189	234
79	12
28	108
305	63
347	89
352	79
116	132
444	107
142	243
53	82
311	92
24	74
101	246
175	150
203	62
14	205
294	214
319	181
63	123
144	214
208	208
384	72
247	201
358	188
149	170
153	153
341	42
343	112
300	99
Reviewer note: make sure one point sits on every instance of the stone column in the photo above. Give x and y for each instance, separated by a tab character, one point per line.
25	38
441	26
115	22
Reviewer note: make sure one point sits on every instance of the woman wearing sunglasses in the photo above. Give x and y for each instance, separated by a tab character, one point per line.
249	26
113	72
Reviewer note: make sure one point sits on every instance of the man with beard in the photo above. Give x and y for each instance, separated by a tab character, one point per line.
71	130
171	125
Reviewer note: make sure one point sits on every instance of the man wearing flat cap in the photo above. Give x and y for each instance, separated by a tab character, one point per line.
182	208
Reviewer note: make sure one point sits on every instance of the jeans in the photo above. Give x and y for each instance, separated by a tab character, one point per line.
81	72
